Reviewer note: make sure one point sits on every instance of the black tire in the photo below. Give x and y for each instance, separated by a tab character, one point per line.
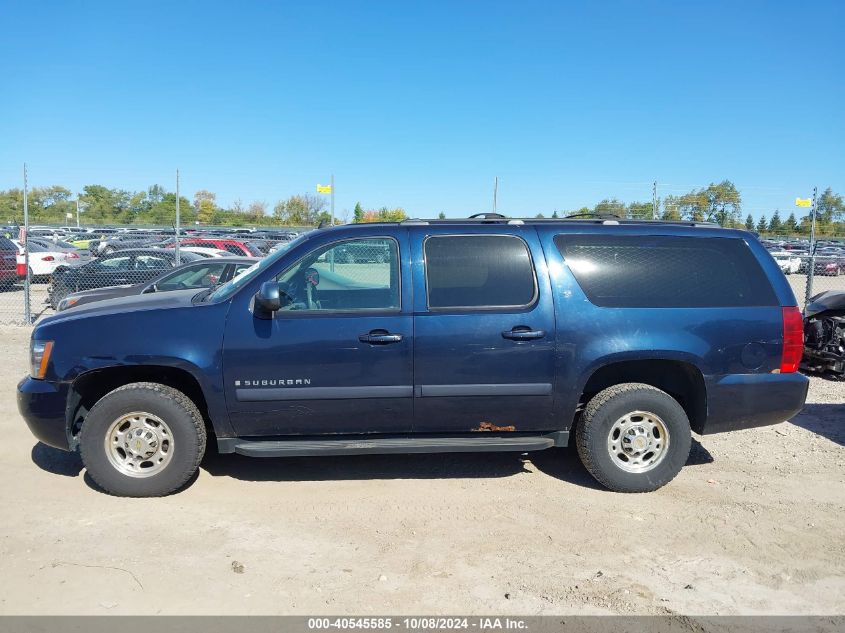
593	431
185	424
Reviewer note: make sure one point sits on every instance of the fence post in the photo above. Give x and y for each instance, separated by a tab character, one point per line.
811	266
27	306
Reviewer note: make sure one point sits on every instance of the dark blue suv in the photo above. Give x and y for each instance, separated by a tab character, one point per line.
471	335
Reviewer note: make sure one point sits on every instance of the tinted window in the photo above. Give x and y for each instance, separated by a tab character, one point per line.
478	271
666	271
351	275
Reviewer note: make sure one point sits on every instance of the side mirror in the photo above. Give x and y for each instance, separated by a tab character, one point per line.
267	300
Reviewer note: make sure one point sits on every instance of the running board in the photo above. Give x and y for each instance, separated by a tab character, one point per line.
385	445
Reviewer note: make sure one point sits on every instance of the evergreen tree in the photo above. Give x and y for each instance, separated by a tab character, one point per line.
441	215
763	224
791	224
358	214
749	223
775	225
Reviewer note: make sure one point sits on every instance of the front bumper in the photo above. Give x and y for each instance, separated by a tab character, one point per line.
42	405
744	401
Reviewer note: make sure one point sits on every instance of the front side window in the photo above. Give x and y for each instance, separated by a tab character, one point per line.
360	274
478	271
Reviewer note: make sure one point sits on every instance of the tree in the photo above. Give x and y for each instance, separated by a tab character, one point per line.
724	203
693	206
441	216
300	210
775	225
205	204
791	224
762	224
671	208
256	210
611	206
358	214
830	207
555	215
749	223
640	210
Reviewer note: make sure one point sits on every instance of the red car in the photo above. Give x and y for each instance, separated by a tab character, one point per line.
8	262
233	246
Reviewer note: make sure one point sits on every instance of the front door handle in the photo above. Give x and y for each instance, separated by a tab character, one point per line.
521	333
380	337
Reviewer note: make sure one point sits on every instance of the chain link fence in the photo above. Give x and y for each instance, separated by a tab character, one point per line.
56	264
48	272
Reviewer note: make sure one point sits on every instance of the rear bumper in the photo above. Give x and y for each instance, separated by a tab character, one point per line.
42	405
744	401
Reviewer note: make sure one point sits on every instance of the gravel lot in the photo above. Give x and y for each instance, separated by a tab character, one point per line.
753	524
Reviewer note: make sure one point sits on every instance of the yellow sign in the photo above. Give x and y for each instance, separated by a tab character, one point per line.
803	202
324	188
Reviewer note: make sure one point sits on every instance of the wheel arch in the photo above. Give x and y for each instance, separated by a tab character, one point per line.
89	387
680	378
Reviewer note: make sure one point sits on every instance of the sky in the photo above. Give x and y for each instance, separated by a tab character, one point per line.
421	105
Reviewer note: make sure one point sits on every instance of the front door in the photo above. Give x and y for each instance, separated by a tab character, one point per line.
484	331
338	357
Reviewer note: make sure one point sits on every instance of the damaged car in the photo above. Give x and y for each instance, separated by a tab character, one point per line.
824	333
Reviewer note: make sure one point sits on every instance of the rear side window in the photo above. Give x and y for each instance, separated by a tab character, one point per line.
478	271
666	271
7	245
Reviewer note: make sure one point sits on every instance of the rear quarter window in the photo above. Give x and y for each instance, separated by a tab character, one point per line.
666	271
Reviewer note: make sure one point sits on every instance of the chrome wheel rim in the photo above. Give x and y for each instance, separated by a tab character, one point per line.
638	441
139	444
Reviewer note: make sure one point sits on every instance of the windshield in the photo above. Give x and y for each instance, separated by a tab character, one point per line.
228	289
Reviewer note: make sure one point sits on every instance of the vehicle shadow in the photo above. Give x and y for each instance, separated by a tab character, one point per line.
560	463
56	461
827	420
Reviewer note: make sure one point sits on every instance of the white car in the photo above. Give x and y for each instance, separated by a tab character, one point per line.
42	260
789	263
205	251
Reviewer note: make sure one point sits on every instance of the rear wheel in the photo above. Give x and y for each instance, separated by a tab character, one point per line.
633	437
142	440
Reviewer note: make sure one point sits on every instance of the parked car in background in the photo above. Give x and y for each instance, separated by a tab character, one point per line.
236	247
74	254
206	251
123	267
824	333
789	262
122	241
8	262
202	273
43	260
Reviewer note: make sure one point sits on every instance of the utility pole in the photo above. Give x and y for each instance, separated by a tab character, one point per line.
495	193
332	184
178	260
27	308
654	201
811	268
77	211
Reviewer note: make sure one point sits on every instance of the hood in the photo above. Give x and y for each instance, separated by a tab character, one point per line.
109	292
832	300
134	303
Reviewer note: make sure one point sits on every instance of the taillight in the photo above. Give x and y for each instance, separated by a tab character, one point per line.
793	340
48	258
72	256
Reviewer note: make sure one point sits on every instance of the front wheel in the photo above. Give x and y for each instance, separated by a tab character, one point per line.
142	440
633	437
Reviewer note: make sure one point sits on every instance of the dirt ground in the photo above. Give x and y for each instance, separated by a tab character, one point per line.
752	525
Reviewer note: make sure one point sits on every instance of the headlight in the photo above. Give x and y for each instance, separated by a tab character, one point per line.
67	302
39	356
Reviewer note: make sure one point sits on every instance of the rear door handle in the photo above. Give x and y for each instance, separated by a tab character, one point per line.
380	337
523	334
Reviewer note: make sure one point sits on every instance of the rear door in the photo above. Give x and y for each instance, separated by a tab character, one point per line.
484	331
